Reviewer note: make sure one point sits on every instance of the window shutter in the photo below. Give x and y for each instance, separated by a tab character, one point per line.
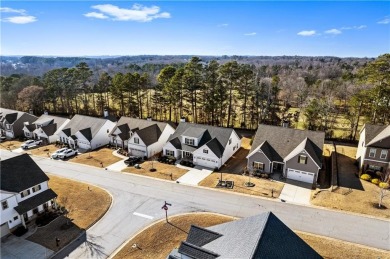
305	160
299	159
28	192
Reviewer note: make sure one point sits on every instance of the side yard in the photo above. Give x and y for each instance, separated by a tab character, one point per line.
353	194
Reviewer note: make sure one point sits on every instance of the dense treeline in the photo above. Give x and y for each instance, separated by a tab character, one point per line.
232	93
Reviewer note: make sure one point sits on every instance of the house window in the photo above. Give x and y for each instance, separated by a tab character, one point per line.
230	141
25	193
36	188
234	148
189	141
205	151
384	154
169	152
187	154
8	126
27	134
302	159
136	140
4	205
16	217
258	166
35	211
372	152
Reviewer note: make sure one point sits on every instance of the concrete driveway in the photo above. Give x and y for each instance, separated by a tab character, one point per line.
296	192
194	176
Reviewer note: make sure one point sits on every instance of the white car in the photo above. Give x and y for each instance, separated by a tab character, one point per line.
67	153
55	154
31	143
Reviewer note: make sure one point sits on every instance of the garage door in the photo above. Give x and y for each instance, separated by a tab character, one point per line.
83	145
4	229
137	152
300	175
206	162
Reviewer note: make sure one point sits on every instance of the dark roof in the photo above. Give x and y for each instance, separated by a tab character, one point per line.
311	148
111	118
134	123
73	137
125	131
284	140
50	129
270	152
81	122
176	143
87	133
372	131
216	147
200	236
30	127
11	117
66	131
209	133
20	173
35	201
149	135
376	136
197	252
50	119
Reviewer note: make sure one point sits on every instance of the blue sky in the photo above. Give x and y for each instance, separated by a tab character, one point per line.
80	28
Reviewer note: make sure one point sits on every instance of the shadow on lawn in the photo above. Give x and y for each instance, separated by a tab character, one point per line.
178	228
347	171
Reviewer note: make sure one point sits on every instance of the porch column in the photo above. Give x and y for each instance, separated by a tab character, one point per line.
23	222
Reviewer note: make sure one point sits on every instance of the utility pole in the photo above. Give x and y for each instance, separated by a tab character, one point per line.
165	207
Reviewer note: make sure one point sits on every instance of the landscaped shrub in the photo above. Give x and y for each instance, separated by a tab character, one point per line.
365	177
375	181
384	185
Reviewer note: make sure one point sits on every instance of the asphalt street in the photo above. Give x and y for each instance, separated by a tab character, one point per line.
144	197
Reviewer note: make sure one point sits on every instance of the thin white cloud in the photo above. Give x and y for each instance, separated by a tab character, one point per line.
354	27
137	13
223	25
250	34
333	31
20	19
307	33
386	20
96	15
11	10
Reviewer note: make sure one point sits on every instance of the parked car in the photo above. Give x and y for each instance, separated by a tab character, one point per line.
31	143
167	160
55	154
67	153
132	160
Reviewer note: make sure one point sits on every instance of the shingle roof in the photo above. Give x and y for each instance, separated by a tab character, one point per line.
285	140
87	133
14	174
81	122
200	236
134	123
35	201
125	131
43	119
12	115
197	252
149	135
30	127
270	152
49	129
216	147
209	133
176	143
375	134
372	131
194	132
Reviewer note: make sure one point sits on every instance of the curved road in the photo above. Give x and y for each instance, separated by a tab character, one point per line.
145	196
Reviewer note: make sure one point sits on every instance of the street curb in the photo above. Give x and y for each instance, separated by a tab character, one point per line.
158	221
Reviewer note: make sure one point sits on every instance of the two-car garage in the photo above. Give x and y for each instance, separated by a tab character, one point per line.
298	175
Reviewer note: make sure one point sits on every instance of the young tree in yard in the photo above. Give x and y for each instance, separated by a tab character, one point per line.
31	97
384	187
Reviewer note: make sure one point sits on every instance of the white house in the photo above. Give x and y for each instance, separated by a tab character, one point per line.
12	122
86	133
24	192
141	137
204	145
45	128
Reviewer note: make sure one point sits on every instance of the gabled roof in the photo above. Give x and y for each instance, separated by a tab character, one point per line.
14	174
216	147
258	236
82	122
270	152
176	143
87	133
50	119
50	129
284	140
12	115
35	201
376	133
200	236
194	132
209	133
149	135
194	251
134	123
125	131
30	127
309	146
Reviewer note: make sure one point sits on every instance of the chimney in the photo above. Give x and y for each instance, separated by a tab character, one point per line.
182	119
285	123
46	112
149	118
31	111
105	113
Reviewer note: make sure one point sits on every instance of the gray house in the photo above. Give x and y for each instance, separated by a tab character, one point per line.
260	236
12	122
297	154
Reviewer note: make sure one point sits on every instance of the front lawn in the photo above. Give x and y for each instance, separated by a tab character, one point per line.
163	171
100	158
11	144
263	187
44	151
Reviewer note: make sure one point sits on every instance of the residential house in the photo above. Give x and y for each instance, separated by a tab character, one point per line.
86	133
24	192
373	151
45	128
296	154
204	145
143	138
12	122
260	236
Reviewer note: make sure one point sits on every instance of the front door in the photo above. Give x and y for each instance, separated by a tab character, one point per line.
277	168
187	155
25	217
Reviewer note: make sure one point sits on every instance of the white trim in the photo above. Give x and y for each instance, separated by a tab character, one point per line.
384	152
260	151
384	162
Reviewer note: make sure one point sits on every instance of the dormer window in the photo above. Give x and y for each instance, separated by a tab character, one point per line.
25	193
4	205
230	141
189	141
302	159
136	140
205	151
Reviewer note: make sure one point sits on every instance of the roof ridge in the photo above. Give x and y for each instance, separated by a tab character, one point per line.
268	213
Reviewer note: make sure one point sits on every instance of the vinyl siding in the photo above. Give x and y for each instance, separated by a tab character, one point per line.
259	157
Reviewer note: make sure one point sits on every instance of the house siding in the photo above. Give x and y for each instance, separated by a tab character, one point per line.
169	146
311	166
198	156
236	142
259	157
137	149
376	161
102	138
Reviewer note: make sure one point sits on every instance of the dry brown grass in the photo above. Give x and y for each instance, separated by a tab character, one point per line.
158	240
262	187
44	150
164	171
334	248
11	144
100	158
86	203
245	143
